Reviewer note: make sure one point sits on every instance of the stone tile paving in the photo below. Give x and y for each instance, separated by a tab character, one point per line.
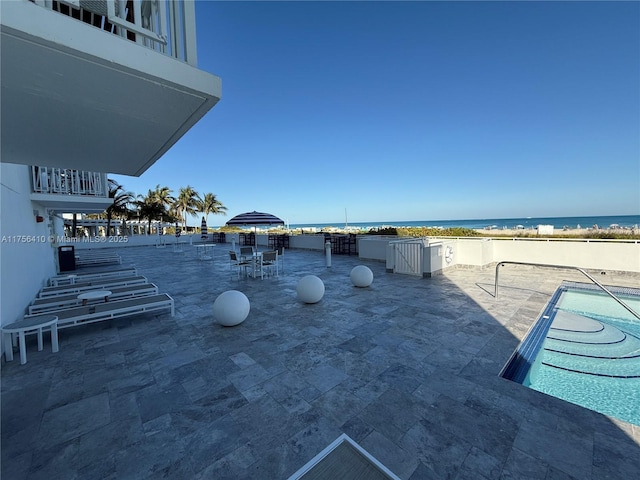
407	367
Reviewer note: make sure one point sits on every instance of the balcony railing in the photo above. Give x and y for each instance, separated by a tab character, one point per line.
167	26
65	181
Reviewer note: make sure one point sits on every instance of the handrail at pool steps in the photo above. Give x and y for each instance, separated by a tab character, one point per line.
605	289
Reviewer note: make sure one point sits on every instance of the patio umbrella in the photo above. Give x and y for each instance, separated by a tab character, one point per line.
203	229
160	238
254	219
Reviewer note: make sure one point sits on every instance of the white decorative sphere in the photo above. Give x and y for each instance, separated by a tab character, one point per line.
361	276
310	289
231	308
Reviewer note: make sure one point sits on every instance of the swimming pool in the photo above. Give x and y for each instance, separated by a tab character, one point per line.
585	349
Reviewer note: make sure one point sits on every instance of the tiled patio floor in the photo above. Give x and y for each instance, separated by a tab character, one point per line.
408	368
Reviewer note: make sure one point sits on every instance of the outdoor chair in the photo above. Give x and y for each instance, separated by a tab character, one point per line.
269	262
280	251
237	263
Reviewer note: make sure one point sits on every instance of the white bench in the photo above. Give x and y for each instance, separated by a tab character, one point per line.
90	276
97	258
41	305
93	285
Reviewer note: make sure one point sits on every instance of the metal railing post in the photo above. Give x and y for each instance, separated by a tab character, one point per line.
137	19
173	29
162	20
189	32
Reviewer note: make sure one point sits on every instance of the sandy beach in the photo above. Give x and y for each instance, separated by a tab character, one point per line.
525	231
557	231
498	232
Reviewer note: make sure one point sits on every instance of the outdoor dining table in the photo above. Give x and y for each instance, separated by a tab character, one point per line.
253	254
254	259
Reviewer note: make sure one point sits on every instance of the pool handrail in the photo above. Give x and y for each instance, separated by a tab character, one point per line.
605	289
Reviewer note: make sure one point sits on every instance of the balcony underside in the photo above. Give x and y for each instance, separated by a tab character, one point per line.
72	203
74	96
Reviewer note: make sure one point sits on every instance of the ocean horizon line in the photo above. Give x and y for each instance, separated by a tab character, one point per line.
601	221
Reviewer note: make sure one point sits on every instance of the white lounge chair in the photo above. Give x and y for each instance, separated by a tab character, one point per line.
90	276
96	284
70	317
97	258
41	305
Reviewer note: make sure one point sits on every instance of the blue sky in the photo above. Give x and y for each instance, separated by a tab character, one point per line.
415	111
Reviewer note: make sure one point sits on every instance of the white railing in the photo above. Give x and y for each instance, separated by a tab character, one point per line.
408	256
566	267
66	181
167	26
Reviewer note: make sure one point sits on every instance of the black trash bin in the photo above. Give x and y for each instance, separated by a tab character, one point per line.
67	258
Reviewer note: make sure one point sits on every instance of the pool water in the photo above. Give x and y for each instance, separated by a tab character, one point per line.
587	351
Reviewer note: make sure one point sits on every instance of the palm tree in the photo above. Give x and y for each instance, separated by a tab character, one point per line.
174	213
187	203
169	215
210	204
150	208
163	196
121	201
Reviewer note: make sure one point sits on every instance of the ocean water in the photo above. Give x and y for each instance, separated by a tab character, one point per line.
628	221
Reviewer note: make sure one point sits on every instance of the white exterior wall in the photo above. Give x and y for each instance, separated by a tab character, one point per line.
476	252
435	260
374	247
595	255
25	265
623	256
262	240
307	242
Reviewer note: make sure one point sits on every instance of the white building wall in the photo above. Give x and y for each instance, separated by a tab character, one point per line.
374	247
476	252
612	255
307	242
26	255
595	255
